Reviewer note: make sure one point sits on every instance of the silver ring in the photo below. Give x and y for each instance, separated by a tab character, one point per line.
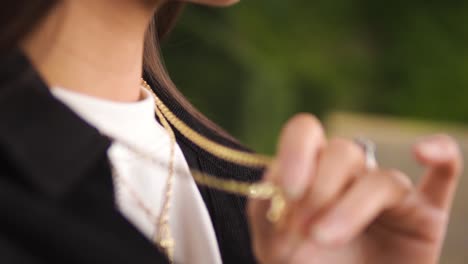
369	150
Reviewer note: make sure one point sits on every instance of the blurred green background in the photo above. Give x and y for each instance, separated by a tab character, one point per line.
251	66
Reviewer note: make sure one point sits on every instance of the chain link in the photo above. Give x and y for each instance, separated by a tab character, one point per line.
263	190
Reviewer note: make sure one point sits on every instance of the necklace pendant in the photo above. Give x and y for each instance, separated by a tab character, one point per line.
165	241
167	245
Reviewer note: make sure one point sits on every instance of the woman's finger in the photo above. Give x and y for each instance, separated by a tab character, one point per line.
441	155
366	199
270	243
339	163
299	145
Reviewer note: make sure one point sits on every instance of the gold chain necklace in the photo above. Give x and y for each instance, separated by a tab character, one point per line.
263	190
162	235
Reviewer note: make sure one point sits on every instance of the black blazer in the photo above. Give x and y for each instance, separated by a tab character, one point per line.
56	192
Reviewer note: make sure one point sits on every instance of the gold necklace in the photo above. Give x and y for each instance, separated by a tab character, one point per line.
163	237
263	190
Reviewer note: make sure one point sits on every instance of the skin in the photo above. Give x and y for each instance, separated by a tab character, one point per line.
338	211
343	213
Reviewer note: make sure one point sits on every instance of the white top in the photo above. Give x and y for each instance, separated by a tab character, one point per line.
135	124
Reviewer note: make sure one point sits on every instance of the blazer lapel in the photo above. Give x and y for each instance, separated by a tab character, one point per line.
55	182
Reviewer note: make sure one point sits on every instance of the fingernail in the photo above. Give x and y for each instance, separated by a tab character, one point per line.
329	233
293	192
432	149
288	186
292	180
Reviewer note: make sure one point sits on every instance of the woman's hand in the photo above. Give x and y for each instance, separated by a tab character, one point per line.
339	212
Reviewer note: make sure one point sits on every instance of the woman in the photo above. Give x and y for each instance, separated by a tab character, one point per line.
83	176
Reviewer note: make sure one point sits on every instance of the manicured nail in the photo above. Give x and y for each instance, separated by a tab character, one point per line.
293	180
432	149
328	233
274	175
293	192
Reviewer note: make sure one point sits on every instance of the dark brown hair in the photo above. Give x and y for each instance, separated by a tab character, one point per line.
19	17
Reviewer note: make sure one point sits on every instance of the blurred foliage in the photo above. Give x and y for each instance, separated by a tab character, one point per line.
252	66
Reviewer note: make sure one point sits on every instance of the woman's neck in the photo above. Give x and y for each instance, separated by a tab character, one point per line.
93	47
